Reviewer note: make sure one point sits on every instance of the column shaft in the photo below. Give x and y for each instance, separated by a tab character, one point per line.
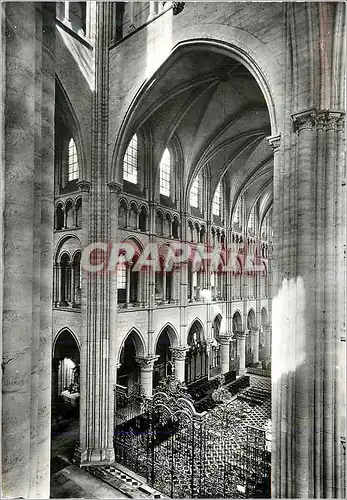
241	351
225	354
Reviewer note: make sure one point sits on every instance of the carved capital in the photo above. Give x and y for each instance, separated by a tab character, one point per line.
146	363
304	120
224	339
114	187
321	120
275	142
330	120
84	186
241	335
177	7
179	353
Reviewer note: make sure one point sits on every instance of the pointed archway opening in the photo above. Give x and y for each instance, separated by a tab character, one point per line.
65	399
163	366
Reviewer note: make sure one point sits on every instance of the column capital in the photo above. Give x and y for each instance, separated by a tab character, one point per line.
146	363
241	334
224	339
84	186
330	120
275	142
324	119
114	187
179	353
304	119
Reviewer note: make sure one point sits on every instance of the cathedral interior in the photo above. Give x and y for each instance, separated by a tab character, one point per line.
173	258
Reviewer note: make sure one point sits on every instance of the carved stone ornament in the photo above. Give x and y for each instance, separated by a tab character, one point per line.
177	7
179	353
84	186
304	120
114	187
146	364
275	142
321	120
173	387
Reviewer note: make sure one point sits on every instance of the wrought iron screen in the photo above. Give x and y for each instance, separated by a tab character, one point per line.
185	454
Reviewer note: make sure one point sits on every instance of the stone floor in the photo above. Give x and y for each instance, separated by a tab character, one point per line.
68	480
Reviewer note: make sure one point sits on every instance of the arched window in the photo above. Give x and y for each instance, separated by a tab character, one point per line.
59	221
73	162
133	216
65	280
195	197
130	166
122	214
165	173
159	224
175	228
217	202
143	219
127	281
69	214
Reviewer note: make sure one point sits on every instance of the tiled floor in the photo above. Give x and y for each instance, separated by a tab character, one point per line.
68	480
73	482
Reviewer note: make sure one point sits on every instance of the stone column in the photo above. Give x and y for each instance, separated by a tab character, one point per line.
225	353
267	342
60	285
255	344
27	231
179	358
72	283
65	218
176	280
146	373
308	200
56	282
127	300
84	187
241	351
96	426
164	284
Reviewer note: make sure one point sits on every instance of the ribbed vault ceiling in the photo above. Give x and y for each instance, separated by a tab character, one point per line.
215	108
